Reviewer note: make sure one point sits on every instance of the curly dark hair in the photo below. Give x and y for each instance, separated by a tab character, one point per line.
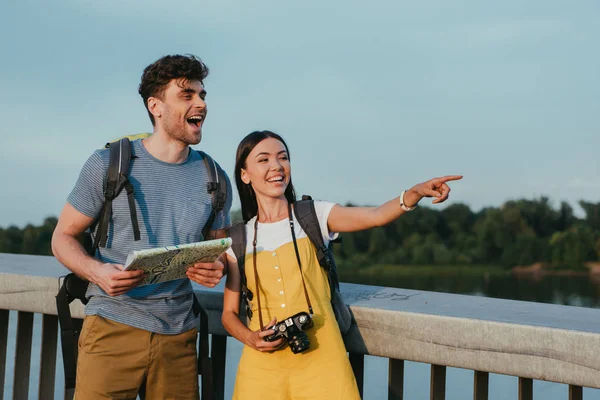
245	191
157	75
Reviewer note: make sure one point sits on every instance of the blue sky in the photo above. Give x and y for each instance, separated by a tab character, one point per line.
372	97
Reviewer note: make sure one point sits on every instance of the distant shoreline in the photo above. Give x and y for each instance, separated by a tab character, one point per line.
591	269
535	270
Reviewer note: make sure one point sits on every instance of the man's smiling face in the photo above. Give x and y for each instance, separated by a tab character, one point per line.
181	110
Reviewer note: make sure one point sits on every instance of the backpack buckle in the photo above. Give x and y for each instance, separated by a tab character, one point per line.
211	186
221	199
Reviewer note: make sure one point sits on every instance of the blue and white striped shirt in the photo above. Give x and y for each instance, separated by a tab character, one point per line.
172	206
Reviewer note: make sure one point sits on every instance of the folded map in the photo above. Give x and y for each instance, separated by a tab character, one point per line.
163	264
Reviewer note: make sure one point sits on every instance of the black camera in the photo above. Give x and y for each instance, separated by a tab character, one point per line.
292	329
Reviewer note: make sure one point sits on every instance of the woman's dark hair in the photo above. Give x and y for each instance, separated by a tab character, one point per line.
246	192
157	75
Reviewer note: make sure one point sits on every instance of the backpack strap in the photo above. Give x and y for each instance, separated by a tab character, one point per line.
237	233
217	189
72	288
116	180
307	218
205	368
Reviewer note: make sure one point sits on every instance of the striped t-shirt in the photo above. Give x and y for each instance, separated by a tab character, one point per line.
172	206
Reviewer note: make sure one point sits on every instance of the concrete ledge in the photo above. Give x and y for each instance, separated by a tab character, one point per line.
539	341
526	351
30	283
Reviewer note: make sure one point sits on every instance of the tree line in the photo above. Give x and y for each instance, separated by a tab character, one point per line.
29	240
520	232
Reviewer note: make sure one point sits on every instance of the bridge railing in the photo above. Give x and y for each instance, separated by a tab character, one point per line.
531	341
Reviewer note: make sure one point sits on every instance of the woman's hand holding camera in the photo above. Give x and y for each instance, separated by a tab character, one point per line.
257	342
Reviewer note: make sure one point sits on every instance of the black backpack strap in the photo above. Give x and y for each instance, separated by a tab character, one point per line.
67	337
204	361
125	163
116	180
237	233
72	288
217	189
307	218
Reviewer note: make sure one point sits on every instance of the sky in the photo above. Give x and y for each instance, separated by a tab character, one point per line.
372	97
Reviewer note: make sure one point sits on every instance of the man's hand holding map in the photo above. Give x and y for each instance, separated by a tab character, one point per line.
163	264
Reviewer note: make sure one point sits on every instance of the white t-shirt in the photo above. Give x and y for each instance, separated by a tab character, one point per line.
271	236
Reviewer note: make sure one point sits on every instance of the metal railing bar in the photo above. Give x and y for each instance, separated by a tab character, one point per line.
396	379
437	390
48	356
23	355
481	381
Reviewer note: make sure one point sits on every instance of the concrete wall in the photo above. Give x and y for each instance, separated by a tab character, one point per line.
530	340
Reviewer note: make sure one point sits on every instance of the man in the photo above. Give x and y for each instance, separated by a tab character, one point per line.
147	334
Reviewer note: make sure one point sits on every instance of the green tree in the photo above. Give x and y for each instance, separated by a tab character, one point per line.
11	240
573	247
592	214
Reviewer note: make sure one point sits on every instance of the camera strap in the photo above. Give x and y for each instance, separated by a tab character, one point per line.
291	218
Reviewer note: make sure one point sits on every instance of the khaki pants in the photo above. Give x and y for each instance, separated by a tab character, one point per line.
114	359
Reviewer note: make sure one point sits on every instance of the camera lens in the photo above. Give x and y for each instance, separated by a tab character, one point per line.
299	343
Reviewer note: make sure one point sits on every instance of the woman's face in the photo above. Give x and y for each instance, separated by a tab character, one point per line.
268	169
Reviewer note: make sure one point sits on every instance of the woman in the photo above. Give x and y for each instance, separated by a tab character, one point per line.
290	279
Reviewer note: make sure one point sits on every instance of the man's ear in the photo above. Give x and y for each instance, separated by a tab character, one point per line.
155	106
245	177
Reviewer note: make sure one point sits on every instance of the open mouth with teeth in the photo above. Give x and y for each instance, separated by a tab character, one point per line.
276	179
195	120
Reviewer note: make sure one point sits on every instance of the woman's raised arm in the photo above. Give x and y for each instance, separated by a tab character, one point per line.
351	219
